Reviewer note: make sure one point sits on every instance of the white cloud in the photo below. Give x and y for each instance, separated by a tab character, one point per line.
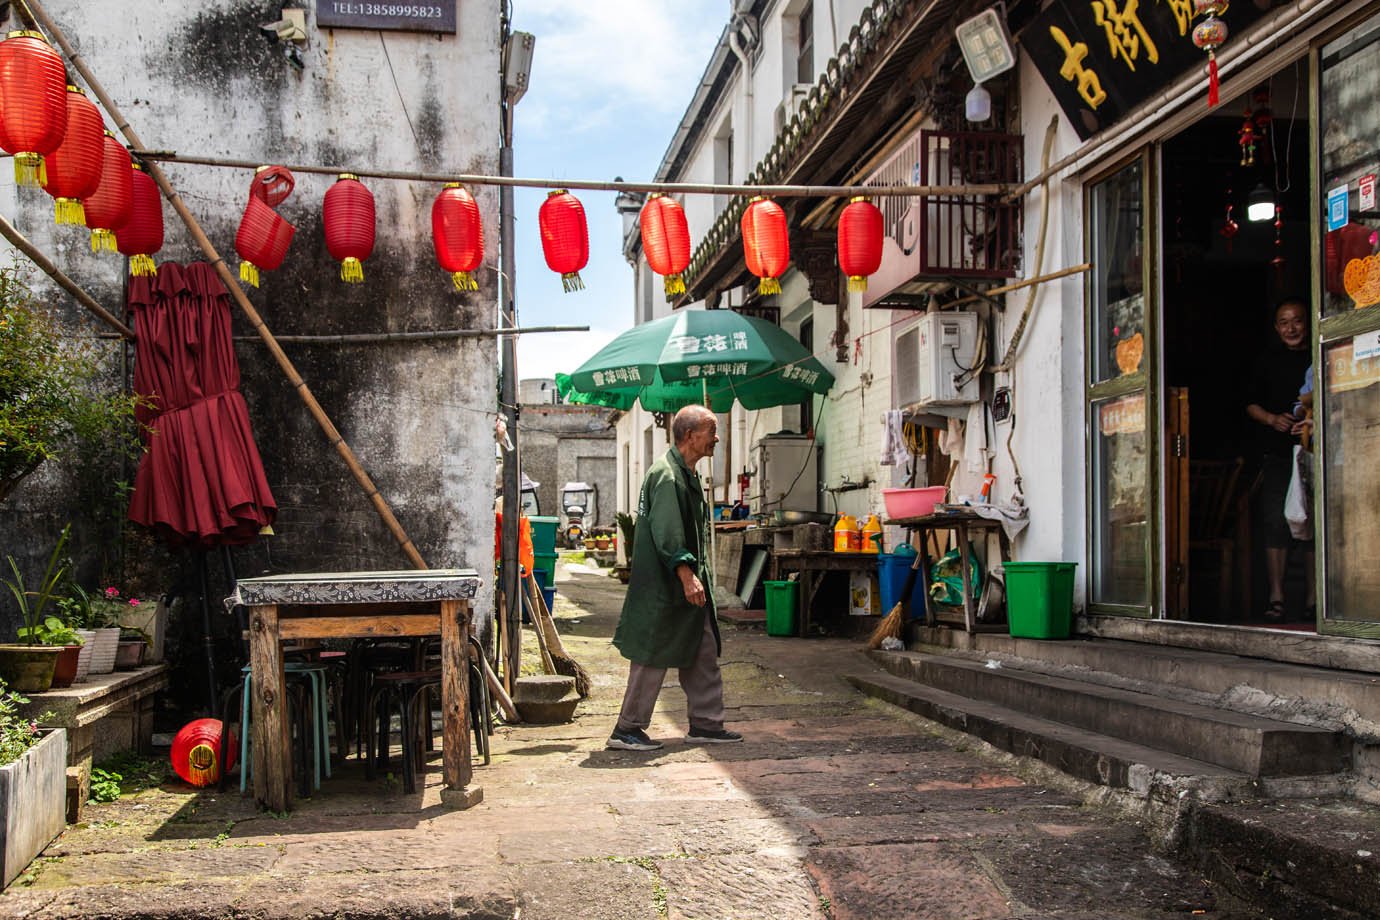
648	53
544	354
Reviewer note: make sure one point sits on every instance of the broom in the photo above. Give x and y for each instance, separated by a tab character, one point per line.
546	630
895	620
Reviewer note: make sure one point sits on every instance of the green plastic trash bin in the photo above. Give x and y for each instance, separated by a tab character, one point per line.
1039	599
780	607
544	534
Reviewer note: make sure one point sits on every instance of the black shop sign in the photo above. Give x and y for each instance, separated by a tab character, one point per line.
1102	58
420	16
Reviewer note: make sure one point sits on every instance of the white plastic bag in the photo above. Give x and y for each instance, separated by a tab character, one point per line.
1298	501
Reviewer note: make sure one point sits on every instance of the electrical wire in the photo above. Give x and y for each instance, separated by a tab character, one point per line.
398	89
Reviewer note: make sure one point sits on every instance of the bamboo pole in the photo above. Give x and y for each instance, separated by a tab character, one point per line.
231	284
21	242
597	185
419	336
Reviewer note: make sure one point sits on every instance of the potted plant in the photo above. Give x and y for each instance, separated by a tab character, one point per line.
130	652
56	633
33	785
76	612
101	612
29	667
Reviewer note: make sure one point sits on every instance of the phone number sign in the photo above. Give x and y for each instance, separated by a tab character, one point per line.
430	16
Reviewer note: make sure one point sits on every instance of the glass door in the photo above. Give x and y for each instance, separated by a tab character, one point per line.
1346	380
1120	405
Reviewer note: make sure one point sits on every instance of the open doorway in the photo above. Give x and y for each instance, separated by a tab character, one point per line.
1224	275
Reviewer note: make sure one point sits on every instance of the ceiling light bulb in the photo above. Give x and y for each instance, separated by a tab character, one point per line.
977	105
1260	204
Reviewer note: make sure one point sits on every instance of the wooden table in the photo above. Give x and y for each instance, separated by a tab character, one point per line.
345	605
961	522
813	566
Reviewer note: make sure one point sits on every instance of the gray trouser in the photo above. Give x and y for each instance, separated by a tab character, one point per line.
702	683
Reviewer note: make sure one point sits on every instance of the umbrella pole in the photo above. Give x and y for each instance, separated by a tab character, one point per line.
231	283
207	639
712	554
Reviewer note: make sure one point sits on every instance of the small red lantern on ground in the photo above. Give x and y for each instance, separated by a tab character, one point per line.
33	103
194	752
860	242
348	213
564	237
263	237
74	169
109	208
142	235
666	241
766	243
458	235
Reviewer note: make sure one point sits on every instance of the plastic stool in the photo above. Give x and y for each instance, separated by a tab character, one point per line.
313	677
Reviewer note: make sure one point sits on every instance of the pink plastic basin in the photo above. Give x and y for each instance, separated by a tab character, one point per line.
906	503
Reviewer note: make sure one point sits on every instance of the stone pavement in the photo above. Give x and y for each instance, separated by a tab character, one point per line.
835	807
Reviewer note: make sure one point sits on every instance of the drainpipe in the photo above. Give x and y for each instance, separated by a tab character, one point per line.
743	22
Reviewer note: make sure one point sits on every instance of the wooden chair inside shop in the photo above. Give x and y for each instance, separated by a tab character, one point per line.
1214	507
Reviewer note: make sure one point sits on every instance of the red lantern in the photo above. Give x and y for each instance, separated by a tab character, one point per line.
194	751
766	243
109	208
142	236
1209	36
74	169
33	97
348	213
263	237
458	235
564	237
860	242
666	241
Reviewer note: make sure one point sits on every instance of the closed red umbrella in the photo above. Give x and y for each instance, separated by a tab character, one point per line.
201	481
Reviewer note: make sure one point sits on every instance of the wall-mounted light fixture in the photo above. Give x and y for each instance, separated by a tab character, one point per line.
291	28
517	64
986	44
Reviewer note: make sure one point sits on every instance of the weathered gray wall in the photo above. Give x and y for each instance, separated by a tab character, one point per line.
554	438
201	79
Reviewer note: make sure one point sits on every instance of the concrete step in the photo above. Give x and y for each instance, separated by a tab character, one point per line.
1249	744
1229	677
1083	754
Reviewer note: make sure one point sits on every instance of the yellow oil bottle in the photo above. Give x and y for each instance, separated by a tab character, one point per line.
872	535
846	536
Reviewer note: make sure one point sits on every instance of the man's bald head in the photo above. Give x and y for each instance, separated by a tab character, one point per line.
689	420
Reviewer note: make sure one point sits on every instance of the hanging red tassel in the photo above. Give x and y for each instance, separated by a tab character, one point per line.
1209	36
1213	83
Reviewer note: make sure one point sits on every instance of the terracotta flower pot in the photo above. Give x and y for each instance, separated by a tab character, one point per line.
65	671
28	668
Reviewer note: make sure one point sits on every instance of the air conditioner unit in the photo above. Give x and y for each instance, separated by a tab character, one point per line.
932	362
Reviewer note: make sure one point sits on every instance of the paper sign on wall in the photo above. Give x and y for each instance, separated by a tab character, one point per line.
1366	345
1336	208
1367	185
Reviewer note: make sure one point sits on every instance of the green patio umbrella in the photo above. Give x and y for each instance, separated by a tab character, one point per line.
707	357
712	358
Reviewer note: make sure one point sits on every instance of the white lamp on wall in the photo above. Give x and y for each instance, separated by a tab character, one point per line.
986	44
977	105
1260	204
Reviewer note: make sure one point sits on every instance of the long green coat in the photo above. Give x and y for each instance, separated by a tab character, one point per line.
659	627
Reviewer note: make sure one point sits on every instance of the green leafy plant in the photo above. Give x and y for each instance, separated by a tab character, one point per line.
96	611
50	397
17	734
33	604
627	526
136	772
52	631
105	786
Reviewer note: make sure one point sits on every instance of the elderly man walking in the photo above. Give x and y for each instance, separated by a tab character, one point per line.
668	616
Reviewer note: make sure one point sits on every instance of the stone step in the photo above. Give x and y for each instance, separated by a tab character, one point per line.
1080	753
1250	744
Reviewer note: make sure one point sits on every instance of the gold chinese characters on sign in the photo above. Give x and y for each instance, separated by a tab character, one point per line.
1089	86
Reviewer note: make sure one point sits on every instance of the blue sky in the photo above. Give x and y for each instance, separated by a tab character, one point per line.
610	81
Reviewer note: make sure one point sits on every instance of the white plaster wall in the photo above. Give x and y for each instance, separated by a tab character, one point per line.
1048	376
201	79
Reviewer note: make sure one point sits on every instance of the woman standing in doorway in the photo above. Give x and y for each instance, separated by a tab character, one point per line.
1274	391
